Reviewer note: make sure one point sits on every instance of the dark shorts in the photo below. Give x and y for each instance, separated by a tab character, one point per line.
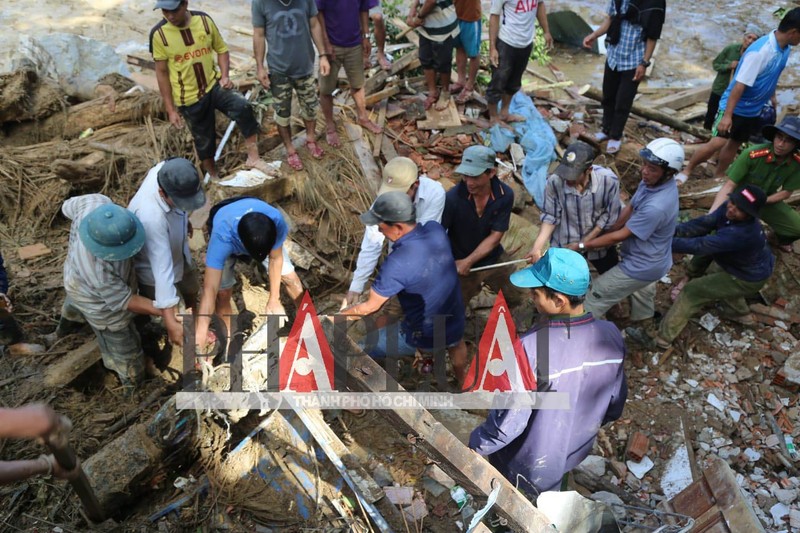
741	129
507	77
202	122
436	55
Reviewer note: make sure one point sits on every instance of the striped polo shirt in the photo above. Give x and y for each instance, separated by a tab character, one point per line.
441	22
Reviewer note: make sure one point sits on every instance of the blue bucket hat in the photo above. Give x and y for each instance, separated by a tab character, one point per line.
476	160
111	233
559	269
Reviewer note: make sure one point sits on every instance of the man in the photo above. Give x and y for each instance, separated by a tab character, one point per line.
164	266
512	27
345	31
289	28
645	228
191	86
251	228
581	201
468	48
399	174
35	421
753	85
477	213
376	15
437	27
421	273
732	238
724	64
11	335
98	280
632	28
533	449
775	168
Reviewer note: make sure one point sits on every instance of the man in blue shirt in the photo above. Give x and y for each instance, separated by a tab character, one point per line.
732	238
243	227
753	85
534	449
645	229
421	272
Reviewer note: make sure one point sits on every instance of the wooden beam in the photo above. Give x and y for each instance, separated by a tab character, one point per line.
476	475
683	99
76	362
374	98
652	114
404	62
376	150
412	36
371	171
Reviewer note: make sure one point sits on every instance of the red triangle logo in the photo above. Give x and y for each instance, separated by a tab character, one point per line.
306	362
501	363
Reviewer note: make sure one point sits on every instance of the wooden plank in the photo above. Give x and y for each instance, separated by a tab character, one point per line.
374	98
683	99
405	30
376	150
387	148
371	171
404	62
76	362
469	470
33	251
375	82
439	120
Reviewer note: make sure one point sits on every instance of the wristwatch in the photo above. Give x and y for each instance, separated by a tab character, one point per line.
366	36
645	63
581	246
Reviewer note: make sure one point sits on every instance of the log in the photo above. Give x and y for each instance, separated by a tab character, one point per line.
93	114
67	369
652	114
88	171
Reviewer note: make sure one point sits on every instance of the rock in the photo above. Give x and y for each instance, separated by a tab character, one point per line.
752	455
772	441
619	468
778	512
735	415
632	482
716	402
613	501
705	436
594	465
794	519
743	373
785	496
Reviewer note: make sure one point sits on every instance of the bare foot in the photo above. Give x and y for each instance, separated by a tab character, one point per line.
456	87
430	100
332	139
371	126
444	101
512	118
384	62
262	166
23	348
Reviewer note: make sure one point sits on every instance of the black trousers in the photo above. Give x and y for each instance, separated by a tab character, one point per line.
711	112
619	89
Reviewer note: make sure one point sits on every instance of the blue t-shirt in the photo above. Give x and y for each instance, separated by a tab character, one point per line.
422	273
647	254
759	69
224	240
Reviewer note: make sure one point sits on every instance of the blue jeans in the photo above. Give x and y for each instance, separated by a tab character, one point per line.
378	348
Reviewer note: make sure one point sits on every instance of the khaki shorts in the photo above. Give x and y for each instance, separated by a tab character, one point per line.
229	275
188	287
353	62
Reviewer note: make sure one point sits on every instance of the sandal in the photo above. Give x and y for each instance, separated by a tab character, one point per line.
455	87
464	96
294	161
430	100
314	149
332	138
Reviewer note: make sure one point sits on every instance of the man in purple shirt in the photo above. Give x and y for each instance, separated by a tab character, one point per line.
345	25
584	358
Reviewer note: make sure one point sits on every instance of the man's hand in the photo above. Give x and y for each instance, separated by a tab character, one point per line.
274	307
366	44
175	331
175	119
725	124
494	57
8	305
349	299
413	20
534	255
734	63
58	471
225	82
463	266
572	246
324	66
641	70
548	40
263	78
589	40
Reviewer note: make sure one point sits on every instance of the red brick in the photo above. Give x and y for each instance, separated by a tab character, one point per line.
638	445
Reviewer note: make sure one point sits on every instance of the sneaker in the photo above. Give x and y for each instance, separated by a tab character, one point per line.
613	146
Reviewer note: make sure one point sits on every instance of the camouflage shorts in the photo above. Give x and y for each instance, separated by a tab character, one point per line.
306	89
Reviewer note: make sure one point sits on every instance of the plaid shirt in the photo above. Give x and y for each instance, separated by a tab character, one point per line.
575	214
629	51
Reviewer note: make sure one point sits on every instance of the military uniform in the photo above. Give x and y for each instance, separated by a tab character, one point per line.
758	166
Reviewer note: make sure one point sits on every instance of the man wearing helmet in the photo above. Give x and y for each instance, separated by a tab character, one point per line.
250	228
98	276
645	228
164	266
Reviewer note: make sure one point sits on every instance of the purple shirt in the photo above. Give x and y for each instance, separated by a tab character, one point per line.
342	20
534	449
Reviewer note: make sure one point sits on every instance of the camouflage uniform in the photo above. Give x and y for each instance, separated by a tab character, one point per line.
306	89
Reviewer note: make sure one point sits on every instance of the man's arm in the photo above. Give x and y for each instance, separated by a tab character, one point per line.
368	256
726	121
778	197
319	42
726	239
326	42
617	403
500	428
541	16
484	248
165	89
211	282
373	303
259	51
623	218
494	31
142	306
608	239
363	17
274	306
722	195
224	60
589	40
641	70
545	232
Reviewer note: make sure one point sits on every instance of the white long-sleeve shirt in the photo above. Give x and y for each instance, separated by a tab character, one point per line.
160	262
429	203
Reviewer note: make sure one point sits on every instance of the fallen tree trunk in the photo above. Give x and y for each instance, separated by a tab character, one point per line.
652	114
93	114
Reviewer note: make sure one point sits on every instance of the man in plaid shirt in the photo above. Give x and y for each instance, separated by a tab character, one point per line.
631	28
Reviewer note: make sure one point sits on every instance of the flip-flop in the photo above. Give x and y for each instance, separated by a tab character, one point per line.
332	138
464	96
294	161
314	149
430	100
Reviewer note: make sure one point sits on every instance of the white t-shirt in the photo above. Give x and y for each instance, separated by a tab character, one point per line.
517	20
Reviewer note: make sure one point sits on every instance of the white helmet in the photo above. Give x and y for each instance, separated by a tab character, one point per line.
665	153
